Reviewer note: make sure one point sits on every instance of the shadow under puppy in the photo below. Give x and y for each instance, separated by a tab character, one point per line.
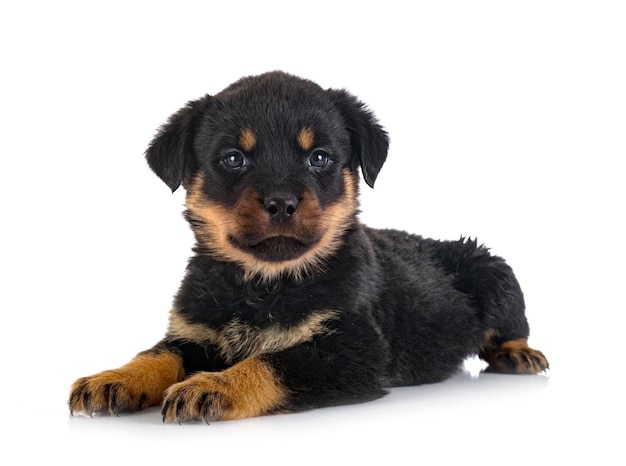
290	303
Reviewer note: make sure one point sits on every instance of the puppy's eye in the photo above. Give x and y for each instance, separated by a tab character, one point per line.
234	160
319	159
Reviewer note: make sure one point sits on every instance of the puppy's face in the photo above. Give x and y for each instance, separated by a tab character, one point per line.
270	167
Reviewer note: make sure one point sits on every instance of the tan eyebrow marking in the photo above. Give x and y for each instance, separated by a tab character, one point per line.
247	140
306	138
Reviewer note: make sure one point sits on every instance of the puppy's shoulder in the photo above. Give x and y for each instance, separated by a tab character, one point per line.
390	241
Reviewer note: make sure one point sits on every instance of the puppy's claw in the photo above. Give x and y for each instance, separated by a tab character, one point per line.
179	410
203	407
87	403
165	409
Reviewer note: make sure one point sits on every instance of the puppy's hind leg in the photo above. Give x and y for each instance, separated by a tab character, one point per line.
512	356
495	293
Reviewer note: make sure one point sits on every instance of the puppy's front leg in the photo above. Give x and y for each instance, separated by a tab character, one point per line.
249	388
317	373
137	385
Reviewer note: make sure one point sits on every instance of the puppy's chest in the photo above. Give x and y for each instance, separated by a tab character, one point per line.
244	319
240	338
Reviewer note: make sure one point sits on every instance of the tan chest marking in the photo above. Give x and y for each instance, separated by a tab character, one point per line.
239	340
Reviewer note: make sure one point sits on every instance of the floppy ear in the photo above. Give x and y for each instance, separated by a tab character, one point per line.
369	140
170	152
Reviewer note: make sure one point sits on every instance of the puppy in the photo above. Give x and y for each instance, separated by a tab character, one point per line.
289	302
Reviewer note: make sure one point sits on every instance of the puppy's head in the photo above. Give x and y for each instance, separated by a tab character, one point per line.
270	165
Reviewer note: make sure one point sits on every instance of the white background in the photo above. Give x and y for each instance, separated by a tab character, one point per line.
508	123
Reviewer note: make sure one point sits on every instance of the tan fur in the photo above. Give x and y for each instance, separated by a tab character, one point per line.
239	340
513	356
220	223
249	388
306	138
136	385
247	140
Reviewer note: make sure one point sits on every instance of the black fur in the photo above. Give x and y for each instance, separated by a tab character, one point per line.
394	308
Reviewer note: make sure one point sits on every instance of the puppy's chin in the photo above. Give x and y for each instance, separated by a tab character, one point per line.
274	248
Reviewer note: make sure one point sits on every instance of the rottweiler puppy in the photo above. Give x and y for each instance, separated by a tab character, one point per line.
289	302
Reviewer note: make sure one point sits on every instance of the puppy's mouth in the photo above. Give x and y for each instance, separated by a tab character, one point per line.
274	248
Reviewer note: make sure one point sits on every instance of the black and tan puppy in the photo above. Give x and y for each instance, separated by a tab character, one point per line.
289	302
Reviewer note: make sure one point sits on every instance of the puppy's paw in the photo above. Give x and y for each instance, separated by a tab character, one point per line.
202	397
247	389
109	392
133	387
516	357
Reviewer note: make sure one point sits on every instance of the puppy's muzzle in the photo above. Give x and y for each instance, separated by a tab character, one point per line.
281	207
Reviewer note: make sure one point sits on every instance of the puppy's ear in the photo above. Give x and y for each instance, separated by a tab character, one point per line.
370	142
170	154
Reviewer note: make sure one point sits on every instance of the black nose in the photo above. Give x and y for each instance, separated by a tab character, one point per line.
281	207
